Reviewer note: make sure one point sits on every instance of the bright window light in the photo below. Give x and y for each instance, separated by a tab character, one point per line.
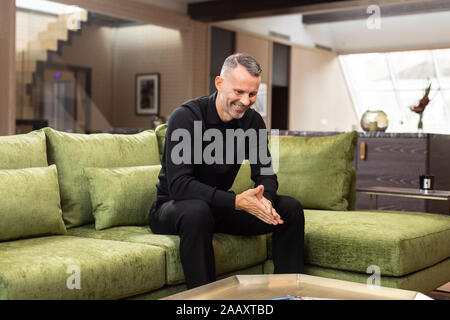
395	81
47	6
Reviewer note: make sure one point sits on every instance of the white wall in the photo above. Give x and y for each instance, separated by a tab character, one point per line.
149	49
319	99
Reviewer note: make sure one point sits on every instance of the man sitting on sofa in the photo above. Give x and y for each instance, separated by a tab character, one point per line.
193	200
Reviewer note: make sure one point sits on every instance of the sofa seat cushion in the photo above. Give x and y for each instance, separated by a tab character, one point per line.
398	242
231	252
46	267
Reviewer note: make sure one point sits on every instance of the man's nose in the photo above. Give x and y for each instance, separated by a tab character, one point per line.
245	100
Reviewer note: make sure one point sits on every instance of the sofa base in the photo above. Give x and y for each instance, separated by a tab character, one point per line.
424	280
170	290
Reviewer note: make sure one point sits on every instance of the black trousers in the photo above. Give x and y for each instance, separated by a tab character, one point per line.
195	222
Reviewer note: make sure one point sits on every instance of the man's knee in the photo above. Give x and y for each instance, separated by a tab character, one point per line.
197	215
290	208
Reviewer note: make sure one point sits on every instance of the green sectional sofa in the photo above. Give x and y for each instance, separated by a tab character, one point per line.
73	220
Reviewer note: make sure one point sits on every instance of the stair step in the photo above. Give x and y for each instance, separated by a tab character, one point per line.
27	62
43	45
53	35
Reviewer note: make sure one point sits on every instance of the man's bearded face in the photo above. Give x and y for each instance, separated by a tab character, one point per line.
237	92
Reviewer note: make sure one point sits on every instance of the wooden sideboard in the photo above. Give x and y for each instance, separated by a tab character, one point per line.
397	160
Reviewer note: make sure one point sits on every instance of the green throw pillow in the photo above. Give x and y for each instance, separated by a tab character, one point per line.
317	171
23	151
122	196
72	152
30	203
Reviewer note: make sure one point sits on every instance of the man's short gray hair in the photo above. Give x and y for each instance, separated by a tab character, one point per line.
243	59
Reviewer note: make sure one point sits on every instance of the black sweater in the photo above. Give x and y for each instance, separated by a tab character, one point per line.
196	177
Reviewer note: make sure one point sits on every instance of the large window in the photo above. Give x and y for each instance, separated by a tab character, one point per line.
394	81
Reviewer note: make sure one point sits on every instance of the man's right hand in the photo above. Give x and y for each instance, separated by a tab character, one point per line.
250	202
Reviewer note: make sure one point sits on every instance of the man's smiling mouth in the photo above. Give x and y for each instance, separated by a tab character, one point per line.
239	107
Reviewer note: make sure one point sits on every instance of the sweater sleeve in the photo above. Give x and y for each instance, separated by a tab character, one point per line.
262	172
179	157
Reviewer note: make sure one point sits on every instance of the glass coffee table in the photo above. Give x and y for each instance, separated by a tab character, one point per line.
269	286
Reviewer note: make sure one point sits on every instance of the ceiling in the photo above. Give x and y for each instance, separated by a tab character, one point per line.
340	25
323	10
110	21
314	11
176	5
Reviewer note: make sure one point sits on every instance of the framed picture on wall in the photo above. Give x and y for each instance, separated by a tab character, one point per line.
147	94
261	100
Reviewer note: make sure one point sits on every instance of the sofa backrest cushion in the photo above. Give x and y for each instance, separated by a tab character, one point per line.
243	180
317	171
30	203
161	135
122	196
23	151
72	152
339	177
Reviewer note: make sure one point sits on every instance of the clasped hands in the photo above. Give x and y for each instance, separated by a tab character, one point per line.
253	202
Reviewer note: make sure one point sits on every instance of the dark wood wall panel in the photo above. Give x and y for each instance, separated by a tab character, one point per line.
281	57
281	64
223	44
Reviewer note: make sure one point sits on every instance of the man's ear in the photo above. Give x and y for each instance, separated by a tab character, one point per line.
218	82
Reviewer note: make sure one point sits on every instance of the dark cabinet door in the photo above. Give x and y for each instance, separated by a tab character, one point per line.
440	168
391	162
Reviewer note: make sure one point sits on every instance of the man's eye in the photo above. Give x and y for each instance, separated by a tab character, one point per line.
239	92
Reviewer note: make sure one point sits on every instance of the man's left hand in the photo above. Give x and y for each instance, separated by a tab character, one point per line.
268	205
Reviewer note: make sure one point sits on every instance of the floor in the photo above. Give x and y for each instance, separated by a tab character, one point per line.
441	293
